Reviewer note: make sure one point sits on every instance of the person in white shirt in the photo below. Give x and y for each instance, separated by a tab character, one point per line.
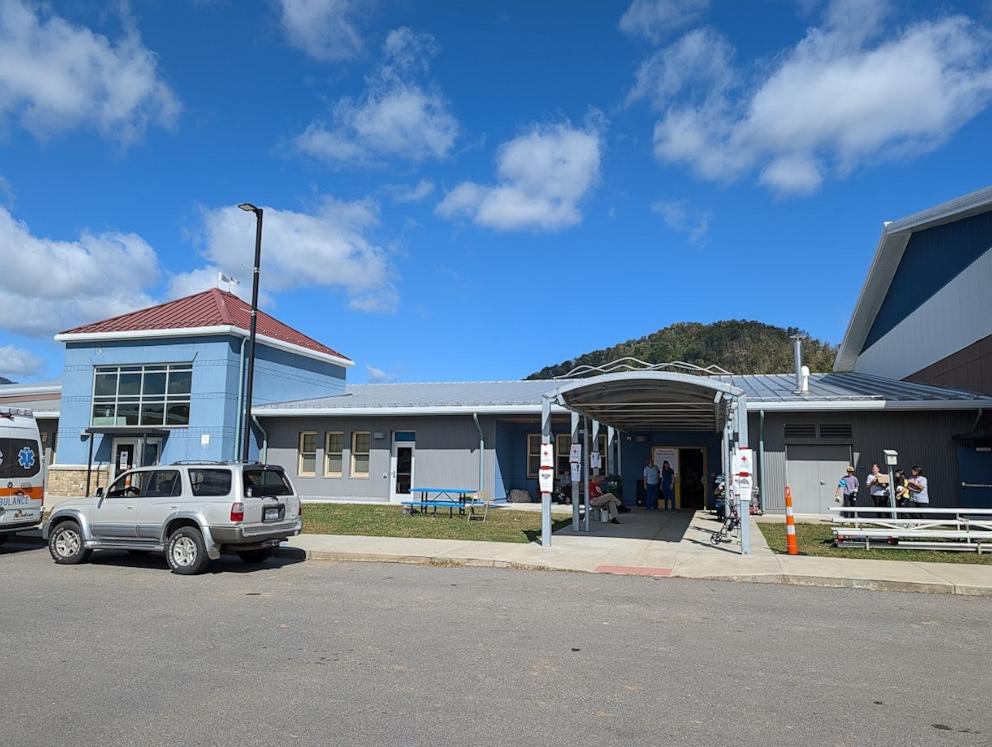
878	487
918	495
652	479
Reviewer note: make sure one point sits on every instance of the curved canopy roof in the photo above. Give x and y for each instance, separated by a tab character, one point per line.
652	400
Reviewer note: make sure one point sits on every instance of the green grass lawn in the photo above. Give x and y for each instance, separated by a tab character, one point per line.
817	539
501	525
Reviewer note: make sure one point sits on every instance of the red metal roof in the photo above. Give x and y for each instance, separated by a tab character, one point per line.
211	308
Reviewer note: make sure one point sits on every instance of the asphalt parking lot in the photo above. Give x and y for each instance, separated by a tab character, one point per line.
120	651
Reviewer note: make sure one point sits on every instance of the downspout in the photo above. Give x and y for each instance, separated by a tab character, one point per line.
241	391
263	455
761	461
482	453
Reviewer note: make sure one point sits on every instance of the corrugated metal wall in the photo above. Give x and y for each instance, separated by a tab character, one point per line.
920	438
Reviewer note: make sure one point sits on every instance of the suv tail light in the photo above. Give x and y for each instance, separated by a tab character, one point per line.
237	511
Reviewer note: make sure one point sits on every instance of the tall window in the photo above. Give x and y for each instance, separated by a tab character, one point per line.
533	455
307	458
333	455
361	446
563	450
154	394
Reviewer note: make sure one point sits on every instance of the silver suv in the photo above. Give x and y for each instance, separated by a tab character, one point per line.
191	511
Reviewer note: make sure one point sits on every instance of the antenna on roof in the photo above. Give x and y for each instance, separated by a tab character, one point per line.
222	278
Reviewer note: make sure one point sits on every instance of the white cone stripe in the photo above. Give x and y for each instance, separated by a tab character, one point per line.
790	529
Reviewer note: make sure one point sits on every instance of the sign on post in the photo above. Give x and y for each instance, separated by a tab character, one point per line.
595	460
576	471
575	453
547	455
546	479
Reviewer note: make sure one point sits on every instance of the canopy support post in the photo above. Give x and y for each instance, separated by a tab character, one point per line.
546	496
572	476
585	469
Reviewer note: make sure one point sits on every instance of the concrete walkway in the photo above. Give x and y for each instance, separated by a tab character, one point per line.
661	545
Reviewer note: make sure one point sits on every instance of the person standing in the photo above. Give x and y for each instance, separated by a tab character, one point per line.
668	485
877	487
847	490
919	497
652	477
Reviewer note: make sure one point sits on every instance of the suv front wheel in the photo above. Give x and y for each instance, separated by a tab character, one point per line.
65	544
186	552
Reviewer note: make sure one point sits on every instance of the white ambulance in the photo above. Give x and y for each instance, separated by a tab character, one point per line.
22	474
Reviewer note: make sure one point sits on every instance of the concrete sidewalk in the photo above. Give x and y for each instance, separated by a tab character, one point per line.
677	545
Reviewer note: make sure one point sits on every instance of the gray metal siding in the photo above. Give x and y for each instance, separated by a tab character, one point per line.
920	438
447	453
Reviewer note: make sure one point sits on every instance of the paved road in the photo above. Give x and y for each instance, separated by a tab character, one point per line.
122	652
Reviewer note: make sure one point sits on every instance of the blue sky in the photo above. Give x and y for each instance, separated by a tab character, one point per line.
474	190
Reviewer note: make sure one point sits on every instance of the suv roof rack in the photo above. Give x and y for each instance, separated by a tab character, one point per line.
183	462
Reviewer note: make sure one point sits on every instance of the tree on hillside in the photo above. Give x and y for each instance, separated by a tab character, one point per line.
739	346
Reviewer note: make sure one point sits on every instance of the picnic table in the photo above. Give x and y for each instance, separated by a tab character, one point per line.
449	498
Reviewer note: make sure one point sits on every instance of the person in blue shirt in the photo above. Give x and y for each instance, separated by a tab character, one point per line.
668	485
652	477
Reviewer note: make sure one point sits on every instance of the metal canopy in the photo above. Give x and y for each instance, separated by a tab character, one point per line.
652	400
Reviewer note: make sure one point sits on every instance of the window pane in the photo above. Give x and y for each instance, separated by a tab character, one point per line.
335	464
265	482
361	464
363	441
210	482
308	443
130	384
127	413
162	484
177	414
180	382
106	385
335	442
152	413
103	414
308	464
154	384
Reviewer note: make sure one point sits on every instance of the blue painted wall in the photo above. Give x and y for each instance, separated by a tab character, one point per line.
279	376
932	259
635	452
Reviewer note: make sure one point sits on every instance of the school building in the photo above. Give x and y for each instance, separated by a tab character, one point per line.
913	374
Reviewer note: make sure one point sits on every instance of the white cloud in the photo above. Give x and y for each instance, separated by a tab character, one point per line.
655	19
55	76
542	176
848	94
328	247
410	192
47	285
15	361
396	117
680	216
326	30
377	375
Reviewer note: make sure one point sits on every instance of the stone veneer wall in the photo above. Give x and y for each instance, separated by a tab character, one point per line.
69	481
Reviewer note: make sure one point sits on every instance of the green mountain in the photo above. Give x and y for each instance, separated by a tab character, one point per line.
737	345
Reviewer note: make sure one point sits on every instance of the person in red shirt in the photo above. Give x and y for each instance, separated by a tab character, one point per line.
599	499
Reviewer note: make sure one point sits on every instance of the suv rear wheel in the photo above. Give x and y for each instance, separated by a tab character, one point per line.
255	556
65	544
186	552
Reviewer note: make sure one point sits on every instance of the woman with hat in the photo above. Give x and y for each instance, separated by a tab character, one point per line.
847	490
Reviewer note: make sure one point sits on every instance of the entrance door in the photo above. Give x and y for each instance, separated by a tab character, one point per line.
125	454
812	471
692	479
975	471
401	465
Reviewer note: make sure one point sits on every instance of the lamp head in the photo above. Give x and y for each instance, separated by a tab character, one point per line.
248	207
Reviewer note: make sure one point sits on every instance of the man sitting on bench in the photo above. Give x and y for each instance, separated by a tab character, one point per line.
599	499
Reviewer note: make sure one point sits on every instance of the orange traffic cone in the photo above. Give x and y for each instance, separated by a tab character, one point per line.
791	543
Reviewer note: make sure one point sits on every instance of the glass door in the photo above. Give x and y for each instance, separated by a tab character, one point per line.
124	452
401	470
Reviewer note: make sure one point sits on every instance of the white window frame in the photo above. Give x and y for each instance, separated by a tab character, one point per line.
300	454
328	472
534	438
354	452
165	399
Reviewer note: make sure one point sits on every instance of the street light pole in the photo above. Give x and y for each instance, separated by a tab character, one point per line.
246	443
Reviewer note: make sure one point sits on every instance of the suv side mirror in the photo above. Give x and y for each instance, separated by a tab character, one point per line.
99	492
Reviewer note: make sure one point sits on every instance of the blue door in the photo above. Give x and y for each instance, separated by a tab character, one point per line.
975	471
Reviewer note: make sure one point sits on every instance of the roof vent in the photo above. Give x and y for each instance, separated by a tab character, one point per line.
804	380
